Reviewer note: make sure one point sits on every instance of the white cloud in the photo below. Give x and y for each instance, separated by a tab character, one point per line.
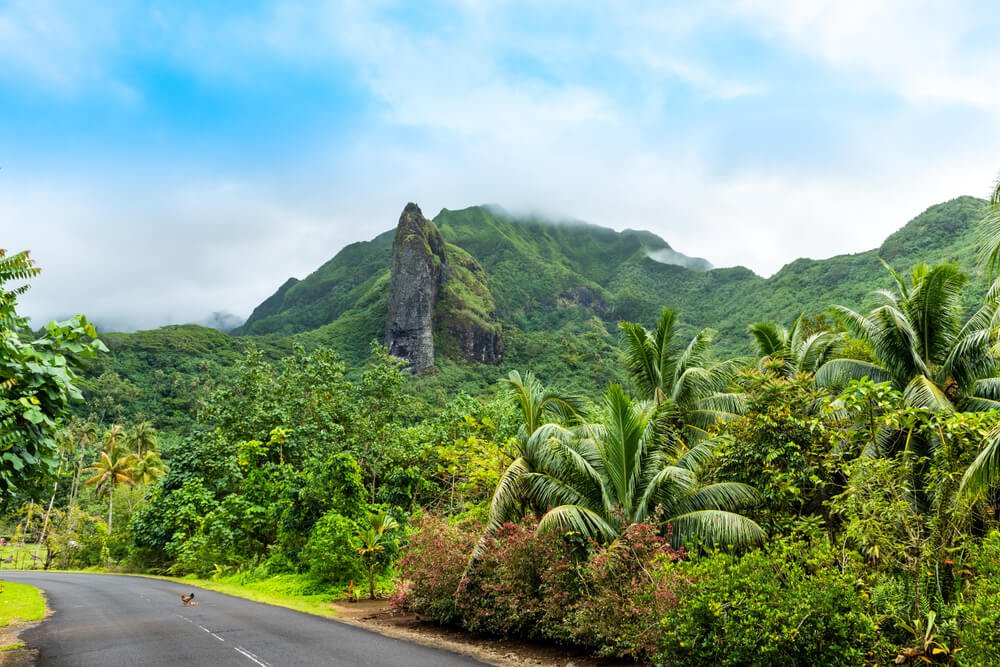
454	125
925	51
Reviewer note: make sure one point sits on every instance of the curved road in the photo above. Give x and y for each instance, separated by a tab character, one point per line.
111	621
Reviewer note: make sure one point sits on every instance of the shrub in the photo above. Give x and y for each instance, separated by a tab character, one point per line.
522	586
979	613
432	567
625	593
787	604
331	554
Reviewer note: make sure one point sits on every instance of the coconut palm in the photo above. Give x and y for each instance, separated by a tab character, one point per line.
924	349
921	345
792	349
684	383
985	470
989	233
545	414
143	439
115	465
618	472
148	469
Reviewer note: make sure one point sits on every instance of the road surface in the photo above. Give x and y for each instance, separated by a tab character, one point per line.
111	621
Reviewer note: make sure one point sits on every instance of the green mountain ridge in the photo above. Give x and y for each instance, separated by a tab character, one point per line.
558	290
536	269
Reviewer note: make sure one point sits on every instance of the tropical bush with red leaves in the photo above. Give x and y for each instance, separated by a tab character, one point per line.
432	567
626	590
523	585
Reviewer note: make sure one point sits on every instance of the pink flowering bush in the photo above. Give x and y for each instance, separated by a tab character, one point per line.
522	586
432	566
626	591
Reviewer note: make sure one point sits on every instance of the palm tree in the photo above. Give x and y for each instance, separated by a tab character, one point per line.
148	469
684	383
989	233
115	465
143	439
544	415
793	350
373	543
83	435
618	472
921	345
985	469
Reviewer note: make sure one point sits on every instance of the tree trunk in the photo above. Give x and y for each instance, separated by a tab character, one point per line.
371	581
45	522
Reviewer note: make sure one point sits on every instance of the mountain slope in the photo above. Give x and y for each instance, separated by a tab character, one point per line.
558	291
538	270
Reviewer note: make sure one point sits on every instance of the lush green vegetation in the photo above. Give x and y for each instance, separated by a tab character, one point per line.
830	497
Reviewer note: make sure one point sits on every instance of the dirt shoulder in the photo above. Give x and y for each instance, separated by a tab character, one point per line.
380	617
16	657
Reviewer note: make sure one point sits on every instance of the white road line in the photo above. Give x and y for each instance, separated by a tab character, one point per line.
184	618
211	633
247	654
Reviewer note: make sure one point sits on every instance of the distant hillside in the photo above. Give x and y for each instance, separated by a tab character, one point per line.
559	291
538	271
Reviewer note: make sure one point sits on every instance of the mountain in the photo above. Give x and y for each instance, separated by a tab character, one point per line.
542	296
543	274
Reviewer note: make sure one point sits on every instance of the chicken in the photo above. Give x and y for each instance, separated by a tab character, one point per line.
188	600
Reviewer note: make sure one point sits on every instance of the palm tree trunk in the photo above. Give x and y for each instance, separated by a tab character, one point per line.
111	508
45	522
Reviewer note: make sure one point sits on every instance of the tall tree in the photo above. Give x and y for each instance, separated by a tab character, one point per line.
544	416
794	350
37	383
115	465
618	472
143	439
685	384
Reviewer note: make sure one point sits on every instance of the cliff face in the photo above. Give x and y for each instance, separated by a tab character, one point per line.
419	269
466	314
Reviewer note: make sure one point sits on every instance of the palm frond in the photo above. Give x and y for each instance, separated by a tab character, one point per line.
922	393
715	527
640	358
989	234
985	469
506	501
727	496
579	520
665	488
836	373
772	339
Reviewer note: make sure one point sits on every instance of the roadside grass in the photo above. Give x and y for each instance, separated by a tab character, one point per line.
19	602
293	591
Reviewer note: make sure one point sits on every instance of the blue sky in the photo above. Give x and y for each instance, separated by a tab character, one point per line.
166	160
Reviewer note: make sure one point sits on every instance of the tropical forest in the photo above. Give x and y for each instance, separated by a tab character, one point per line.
544	432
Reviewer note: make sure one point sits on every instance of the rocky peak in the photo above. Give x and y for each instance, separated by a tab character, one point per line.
419	269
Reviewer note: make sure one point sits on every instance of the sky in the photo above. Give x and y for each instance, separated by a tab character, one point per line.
166	161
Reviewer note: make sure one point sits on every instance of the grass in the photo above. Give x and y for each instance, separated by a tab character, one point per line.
20	602
288	590
21	557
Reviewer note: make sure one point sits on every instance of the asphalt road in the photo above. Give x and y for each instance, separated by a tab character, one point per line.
111	621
